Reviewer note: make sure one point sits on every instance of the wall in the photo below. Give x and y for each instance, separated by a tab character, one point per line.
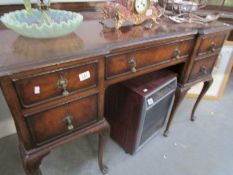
5	2
7	126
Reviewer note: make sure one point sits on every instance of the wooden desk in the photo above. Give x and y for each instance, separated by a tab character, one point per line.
55	88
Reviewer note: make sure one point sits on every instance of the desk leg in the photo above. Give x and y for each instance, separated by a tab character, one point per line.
205	88
103	136
179	96
31	162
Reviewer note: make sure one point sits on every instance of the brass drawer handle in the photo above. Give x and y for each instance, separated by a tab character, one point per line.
213	47
69	122
204	70
63	83
176	53
133	64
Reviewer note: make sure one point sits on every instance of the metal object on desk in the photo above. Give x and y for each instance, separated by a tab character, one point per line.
181	6
180	11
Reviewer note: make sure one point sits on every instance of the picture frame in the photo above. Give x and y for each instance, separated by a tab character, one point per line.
221	74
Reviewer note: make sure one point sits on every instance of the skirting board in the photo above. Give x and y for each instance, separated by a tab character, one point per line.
221	75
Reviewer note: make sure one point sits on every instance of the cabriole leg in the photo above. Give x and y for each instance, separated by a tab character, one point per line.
179	96
103	136
31	162
205	88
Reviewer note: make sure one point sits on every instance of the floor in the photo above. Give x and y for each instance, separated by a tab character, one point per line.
203	147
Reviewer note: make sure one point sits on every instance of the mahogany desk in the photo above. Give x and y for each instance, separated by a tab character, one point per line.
55	88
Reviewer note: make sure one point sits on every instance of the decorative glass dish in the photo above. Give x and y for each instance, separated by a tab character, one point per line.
53	23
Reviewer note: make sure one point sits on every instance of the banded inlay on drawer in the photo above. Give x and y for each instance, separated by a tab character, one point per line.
63	119
211	43
202	67
43	87
133	61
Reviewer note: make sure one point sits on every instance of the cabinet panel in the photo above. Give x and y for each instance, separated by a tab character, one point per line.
202	67
63	119
58	83
211	44
132	61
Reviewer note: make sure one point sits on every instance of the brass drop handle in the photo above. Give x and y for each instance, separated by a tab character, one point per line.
69	122
213	47
176	53
204	70
63	83
133	64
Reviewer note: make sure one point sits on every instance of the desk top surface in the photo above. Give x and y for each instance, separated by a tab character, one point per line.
91	39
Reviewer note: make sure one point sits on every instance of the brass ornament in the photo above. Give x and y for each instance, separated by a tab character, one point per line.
123	13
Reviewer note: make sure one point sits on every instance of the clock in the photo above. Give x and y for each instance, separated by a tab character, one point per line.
119	13
141	6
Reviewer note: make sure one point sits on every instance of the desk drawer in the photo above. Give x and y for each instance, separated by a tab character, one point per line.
202	68
60	120
40	88
130	62
211	44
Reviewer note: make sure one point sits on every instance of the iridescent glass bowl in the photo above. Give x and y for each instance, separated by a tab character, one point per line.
56	23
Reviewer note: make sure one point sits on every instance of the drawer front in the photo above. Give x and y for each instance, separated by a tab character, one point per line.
131	62
41	88
64	119
211	44
202	67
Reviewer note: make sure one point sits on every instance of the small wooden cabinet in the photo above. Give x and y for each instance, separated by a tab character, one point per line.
137	109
